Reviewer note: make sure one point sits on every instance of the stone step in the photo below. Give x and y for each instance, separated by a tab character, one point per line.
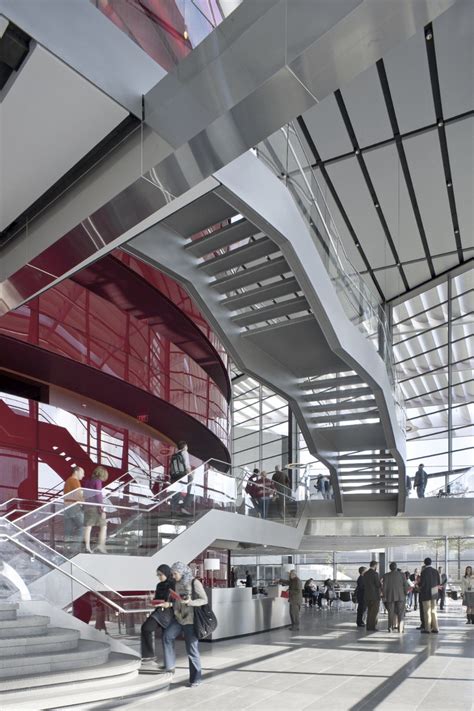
56	639
86	654
24	626
8	610
116	680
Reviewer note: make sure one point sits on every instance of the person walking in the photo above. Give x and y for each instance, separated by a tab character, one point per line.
94	512
360	597
467	592
248	580
372	592
295	598
414	578
73	511
180	466
429	586
281	482
188	593
395	588
442	588
421	479
159	619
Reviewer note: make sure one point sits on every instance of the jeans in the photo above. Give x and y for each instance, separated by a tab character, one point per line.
420	492
262	504
192	649
73	525
147	637
442	598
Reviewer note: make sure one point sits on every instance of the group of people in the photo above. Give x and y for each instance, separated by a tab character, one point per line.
177	593
314	594
399	590
78	519
262	491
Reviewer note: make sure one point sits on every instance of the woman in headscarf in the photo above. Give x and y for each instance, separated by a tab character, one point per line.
157	620
189	594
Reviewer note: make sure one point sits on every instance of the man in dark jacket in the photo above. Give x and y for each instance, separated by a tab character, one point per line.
360	598
281	481
421	480
429	587
372	589
442	589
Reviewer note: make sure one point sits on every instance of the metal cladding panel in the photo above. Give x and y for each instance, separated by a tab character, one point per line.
460	137
384	168
453	34
354	194
373	125
327	129
44	366
426	167
409	79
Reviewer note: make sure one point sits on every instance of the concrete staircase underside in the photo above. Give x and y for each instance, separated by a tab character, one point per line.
247	256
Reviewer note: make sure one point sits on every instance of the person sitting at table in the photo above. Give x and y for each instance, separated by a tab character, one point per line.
309	592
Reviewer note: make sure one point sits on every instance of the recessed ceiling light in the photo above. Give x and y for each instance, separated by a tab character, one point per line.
449	184
429	36
377	205
440	124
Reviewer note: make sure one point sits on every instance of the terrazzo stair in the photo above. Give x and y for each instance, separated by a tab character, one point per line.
43	667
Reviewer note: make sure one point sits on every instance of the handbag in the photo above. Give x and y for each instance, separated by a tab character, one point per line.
162	615
205	621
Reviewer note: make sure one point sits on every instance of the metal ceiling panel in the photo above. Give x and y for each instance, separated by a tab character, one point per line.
453	35
409	79
417	273
386	173
351	250
373	125
460	137
424	160
442	264
325	124
391	282
352	189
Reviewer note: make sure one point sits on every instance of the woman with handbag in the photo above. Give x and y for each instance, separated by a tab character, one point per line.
159	619
189	593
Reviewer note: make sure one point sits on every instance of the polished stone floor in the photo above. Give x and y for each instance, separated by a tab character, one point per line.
332	664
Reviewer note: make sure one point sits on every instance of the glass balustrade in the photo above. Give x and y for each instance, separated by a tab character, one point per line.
139	525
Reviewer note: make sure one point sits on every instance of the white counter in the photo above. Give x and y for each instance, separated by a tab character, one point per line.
239	613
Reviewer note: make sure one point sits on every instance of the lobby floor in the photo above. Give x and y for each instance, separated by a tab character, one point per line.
329	663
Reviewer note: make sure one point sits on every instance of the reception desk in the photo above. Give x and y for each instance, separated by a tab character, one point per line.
239	612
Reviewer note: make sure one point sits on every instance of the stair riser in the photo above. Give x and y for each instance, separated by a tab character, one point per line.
34	645
33	667
7	615
34	631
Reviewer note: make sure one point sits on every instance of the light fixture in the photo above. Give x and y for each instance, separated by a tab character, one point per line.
449	184
456	232
357	151
429	36
62	454
377	205
83	404
440	124
54	447
186	35
212	564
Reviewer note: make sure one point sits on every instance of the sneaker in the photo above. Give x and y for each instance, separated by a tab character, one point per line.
149	665
186	512
434	631
194	684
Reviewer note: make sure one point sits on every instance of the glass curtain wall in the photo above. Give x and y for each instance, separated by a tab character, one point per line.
261	426
433	345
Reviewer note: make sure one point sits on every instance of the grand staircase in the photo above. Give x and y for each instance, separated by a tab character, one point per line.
46	667
248	257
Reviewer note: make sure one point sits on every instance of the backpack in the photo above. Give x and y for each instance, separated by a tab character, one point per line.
177	467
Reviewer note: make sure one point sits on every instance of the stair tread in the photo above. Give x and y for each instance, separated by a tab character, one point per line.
252	275
241	255
260	294
273	311
224	237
